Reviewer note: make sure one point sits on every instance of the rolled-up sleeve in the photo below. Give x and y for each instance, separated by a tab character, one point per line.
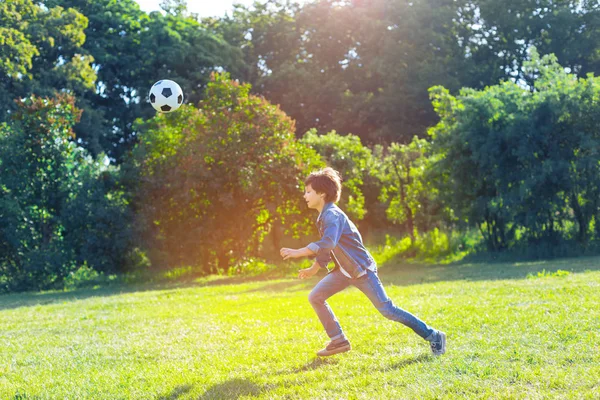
323	259
332	231
313	247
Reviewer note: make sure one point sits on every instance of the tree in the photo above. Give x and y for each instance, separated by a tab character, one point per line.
410	198
303	58
516	162
355	163
567	114
500	36
131	51
59	208
215	181
41	52
365	66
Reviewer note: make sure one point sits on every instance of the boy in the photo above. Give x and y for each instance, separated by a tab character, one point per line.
354	265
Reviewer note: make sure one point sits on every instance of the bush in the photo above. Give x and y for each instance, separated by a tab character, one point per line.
211	183
86	276
431	247
59	208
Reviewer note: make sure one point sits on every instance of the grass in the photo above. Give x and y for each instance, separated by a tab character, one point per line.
517	330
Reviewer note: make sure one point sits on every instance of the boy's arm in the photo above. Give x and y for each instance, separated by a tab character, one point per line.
332	231
322	258
308	272
296	253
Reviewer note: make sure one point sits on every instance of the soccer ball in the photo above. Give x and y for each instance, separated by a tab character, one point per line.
165	96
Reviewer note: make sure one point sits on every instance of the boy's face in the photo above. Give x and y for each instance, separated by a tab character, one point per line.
312	198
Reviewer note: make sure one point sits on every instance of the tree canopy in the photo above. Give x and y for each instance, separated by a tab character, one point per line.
441	115
213	181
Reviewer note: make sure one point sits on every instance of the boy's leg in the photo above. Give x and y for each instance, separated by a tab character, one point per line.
371	286
331	284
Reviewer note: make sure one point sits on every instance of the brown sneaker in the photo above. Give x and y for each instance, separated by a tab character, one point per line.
334	348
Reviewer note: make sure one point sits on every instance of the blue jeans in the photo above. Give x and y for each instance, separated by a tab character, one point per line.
371	286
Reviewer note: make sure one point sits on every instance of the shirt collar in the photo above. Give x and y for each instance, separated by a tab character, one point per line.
325	208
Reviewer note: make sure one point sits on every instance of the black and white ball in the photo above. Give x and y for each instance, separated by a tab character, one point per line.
166	96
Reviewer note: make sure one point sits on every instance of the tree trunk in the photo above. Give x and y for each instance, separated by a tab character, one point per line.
223	262
409	217
276	235
582	221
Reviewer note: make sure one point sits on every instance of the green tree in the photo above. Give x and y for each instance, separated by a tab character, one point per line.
59	208
132	50
41	52
365	66
410	198
500	36
513	161
567	115
355	163
303	58
215	181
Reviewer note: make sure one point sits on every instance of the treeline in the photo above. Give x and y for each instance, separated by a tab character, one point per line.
91	178
362	67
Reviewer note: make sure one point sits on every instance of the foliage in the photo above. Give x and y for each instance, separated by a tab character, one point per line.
547	274
361	66
59	208
347	155
109	53
213	182
434	246
364	66
411	199
86	276
501	35
515	160
515	156
41	52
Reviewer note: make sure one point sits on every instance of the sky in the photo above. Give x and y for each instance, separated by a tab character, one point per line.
204	8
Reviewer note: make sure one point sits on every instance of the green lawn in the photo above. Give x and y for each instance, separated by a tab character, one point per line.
510	335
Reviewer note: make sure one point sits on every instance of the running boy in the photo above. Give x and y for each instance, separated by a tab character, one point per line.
354	265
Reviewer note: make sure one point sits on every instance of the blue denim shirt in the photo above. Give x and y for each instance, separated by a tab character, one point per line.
341	241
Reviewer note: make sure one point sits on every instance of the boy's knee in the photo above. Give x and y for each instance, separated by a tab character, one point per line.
315	298
387	310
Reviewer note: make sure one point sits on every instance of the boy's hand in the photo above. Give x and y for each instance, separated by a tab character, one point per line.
289	253
308	272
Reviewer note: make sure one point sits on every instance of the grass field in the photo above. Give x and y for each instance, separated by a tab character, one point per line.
514	331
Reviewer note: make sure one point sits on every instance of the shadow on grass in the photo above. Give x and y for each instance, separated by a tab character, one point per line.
288	286
30	299
392	273
414	274
409	361
177	392
316	363
232	389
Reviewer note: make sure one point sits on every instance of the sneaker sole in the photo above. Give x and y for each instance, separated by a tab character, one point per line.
325	353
